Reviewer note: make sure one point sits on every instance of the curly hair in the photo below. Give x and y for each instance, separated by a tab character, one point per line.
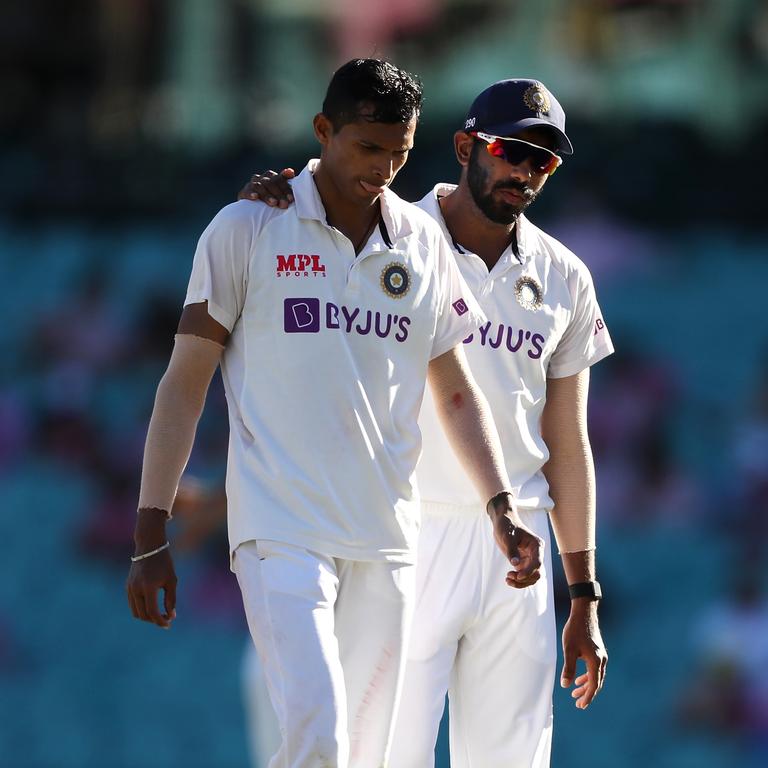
394	94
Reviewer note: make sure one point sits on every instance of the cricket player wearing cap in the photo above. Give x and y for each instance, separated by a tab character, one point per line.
494	651
327	319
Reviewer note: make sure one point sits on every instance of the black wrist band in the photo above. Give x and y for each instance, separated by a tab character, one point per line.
590	589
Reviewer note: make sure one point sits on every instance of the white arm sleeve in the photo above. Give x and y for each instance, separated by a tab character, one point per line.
178	405
570	470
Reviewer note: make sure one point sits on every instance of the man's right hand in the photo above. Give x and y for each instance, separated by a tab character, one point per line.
522	547
270	187
147	577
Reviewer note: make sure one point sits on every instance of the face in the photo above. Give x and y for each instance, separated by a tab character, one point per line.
502	191
363	157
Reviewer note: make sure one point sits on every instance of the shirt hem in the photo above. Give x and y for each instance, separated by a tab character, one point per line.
571	369
455	339
219	314
330	549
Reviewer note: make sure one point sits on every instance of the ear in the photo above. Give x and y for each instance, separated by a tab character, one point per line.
462	145
323	128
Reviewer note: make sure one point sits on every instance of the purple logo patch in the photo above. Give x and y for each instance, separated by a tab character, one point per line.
302	315
460	307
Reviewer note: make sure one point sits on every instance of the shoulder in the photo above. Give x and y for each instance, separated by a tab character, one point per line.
422	225
244	218
571	268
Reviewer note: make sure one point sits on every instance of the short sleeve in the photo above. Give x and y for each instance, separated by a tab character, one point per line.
586	339
220	267
458	314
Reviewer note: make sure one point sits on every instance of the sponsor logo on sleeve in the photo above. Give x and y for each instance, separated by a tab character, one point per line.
299	265
599	325
460	306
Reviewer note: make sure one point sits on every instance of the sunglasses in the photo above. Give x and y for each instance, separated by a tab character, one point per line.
515	151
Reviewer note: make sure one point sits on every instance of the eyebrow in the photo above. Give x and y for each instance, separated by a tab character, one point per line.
373	145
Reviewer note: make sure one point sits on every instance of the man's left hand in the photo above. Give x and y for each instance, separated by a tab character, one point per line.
582	640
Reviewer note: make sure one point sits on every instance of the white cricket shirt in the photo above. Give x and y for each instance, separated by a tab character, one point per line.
543	322
325	367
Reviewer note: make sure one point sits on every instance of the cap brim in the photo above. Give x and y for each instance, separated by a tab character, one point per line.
509	129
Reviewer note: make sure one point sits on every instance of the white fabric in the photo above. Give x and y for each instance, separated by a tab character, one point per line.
331	637
512	356
492	648
261	728
324	370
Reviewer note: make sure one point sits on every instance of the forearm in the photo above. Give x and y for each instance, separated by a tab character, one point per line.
178	404
466	418
571	477
570	470
579	566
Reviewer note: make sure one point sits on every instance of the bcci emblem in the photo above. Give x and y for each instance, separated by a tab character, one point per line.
537	99
529	293
395	280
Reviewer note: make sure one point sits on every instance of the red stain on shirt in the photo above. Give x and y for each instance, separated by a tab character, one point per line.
457	400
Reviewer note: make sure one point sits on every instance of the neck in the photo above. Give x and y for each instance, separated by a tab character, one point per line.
353	219
471	229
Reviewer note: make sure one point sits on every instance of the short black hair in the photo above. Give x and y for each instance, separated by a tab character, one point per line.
394	94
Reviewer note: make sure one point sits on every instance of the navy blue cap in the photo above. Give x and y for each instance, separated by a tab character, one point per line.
510	106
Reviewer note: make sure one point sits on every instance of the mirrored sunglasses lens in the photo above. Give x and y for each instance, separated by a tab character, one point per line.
515	152
496	148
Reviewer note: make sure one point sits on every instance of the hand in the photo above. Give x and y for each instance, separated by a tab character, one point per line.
270	187
582	640
147	577
520	546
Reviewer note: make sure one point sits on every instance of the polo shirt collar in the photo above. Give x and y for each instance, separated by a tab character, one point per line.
525	248
309	205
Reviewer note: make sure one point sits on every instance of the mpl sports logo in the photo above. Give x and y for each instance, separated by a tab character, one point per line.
299	265
308	316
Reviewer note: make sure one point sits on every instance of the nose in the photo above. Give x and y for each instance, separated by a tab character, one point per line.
384	169
521	171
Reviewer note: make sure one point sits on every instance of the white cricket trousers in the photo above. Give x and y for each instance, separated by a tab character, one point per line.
331	636
491	647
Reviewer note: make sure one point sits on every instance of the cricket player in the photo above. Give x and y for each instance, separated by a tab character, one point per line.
327	319
494	650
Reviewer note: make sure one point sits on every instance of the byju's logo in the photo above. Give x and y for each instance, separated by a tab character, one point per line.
460	306
304	316
301	315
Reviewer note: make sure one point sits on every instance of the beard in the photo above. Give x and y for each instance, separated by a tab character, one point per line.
482	192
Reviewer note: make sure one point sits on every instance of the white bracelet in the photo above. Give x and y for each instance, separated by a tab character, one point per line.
149	554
